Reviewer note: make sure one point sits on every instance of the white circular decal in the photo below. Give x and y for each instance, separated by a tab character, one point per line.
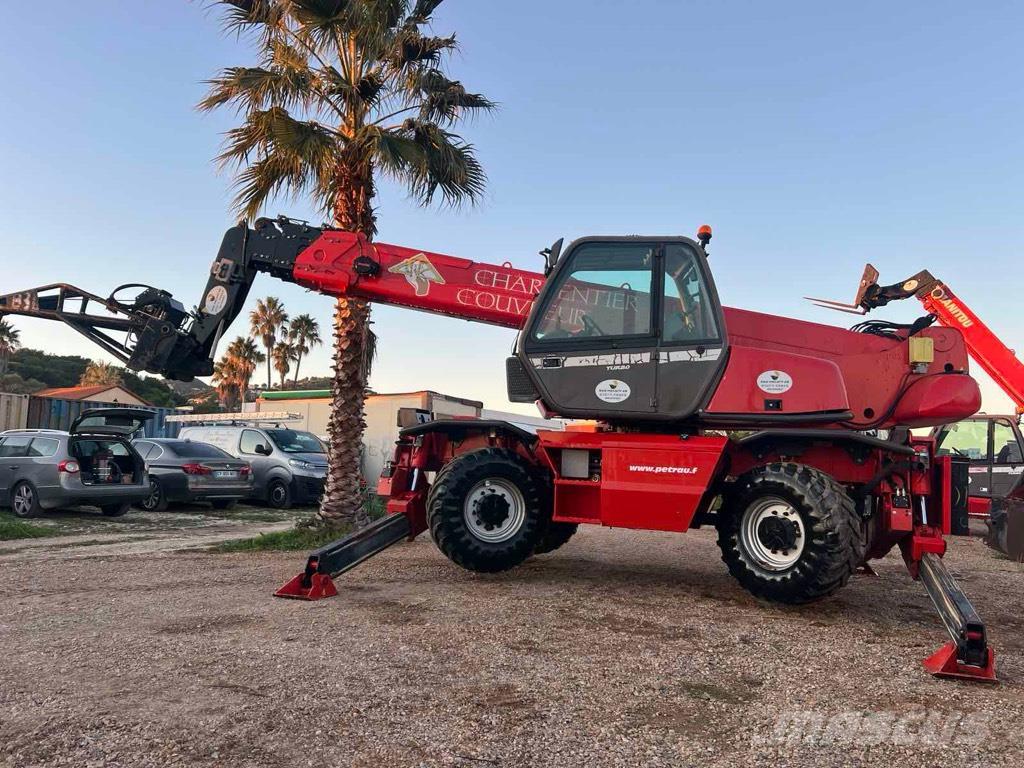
216	300
612	391
775	382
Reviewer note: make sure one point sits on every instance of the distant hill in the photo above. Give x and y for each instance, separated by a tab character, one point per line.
31	370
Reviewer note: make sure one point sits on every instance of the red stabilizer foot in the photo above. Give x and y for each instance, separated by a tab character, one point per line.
320	586
943	663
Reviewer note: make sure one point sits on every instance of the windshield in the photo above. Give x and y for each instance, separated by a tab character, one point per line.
290	441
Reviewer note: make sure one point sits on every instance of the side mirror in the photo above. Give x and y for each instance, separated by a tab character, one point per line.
551	256
262	450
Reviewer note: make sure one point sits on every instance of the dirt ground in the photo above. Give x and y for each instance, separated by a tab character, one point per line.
622	649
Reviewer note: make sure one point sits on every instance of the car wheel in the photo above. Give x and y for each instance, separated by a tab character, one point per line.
223	504
157	499
25	500
115	510
278	495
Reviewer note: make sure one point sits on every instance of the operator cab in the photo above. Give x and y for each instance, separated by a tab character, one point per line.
994	447
625	327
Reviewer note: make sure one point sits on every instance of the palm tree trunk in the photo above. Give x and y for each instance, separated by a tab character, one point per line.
270	354
342	502
298	362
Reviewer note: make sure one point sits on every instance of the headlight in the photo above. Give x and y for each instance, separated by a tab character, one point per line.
300	464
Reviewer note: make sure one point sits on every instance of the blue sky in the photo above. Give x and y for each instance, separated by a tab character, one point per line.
812	136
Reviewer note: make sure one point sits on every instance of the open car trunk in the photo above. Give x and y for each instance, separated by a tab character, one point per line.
107	461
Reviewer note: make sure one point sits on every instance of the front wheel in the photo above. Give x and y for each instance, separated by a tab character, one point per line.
157	499
278	495
488	510
790	533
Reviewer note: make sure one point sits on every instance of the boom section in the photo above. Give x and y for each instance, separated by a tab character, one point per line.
346	264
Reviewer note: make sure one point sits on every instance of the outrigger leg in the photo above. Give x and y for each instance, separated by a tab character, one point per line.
968	656
339	556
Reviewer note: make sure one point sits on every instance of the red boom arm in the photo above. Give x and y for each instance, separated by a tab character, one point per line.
346	264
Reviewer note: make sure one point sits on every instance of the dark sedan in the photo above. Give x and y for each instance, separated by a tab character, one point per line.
188	471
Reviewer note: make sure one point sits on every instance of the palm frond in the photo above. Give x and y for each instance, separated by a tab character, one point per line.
445	100
422	11
429	160
253	88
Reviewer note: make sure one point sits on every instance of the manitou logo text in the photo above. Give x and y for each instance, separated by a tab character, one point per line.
956	312
663	470
419	272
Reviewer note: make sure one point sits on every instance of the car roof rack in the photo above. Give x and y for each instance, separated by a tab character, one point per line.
257	419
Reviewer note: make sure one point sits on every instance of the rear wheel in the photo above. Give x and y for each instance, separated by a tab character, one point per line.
25	500
557	535
115	510
157	499
278	495
488	510
790	533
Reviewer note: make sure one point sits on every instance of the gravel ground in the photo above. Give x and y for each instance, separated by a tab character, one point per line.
622	649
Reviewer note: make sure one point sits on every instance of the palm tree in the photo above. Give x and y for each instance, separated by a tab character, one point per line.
283	355
96	374
345	91
9	343
266	320
225	380
303	334
244	356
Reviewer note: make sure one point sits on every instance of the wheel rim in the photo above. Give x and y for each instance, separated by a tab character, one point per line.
772	533
153	499
494	510
277	494
23	500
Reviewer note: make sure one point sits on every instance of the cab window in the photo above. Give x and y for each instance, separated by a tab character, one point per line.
605	293
687	314
250	439
967	439
1004	443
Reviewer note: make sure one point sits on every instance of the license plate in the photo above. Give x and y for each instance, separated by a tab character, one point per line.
225	474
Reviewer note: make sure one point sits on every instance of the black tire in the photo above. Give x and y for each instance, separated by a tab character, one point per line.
557	535
516	520
157	499
115	510
279	495
25	500
807	515
223	503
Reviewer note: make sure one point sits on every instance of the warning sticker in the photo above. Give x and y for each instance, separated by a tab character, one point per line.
612	391
216	300
775	382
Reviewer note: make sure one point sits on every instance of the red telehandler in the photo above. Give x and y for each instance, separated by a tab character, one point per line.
991	445
626	332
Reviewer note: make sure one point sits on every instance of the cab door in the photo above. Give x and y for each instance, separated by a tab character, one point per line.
692	341
1007	457
590	344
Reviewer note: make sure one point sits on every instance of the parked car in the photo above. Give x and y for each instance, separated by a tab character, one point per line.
93	463
189	471
289	466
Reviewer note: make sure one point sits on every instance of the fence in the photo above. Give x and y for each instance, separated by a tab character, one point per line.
13	411
53	413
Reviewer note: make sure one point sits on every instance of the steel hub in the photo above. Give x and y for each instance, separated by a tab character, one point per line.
772	534
494	510
23	500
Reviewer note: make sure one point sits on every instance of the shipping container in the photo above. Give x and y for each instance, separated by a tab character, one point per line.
54	413
13	411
